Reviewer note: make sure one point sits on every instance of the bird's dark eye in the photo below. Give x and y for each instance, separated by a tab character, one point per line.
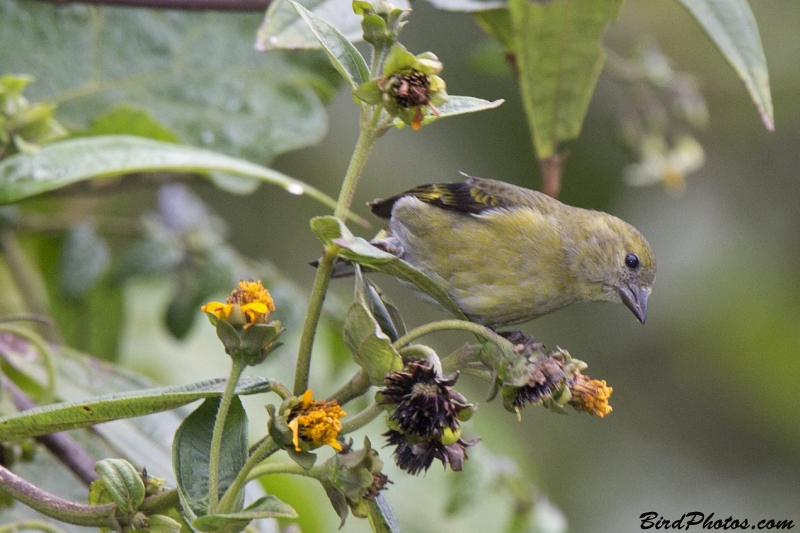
631	261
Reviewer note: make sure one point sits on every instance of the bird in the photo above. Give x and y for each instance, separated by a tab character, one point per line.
507	255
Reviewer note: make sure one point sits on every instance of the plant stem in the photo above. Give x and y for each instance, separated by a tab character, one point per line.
31	524
358	385
216	437
361	419
282	468
53	506
482	332
267	448
48	391
363	147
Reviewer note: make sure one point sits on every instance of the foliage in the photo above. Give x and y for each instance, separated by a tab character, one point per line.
132	85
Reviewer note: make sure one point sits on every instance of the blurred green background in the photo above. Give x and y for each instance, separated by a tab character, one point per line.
706	410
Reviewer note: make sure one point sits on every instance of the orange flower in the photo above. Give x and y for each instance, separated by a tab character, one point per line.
249	303
590	395
315	422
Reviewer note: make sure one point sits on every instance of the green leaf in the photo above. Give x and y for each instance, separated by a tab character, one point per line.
559	56
385	313
381	516
63	163
345	58
82	413
84	259
497	23
196	71
122	482
143	441
265	507
455	105
332	231
371	348
732	27
192	449
284	29
125	120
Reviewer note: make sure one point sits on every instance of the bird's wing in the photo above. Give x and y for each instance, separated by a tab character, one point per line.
474	196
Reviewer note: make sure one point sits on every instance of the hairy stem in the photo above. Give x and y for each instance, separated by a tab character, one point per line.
363	147
358	385
361	419
48	392
216	437
283	468
482	332
37	525
267	448
76	513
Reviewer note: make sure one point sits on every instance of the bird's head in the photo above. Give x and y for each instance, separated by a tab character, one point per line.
619	263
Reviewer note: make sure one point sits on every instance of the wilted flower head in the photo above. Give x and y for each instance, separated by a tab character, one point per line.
553	380
424	417
414	454
315	423
423	402
250	303
409	86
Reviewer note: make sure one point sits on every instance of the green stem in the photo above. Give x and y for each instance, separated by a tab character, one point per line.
358	385
361	419
363	147
31	524
76	513
482	332
53	506
48	392
283	468
216	437
267	448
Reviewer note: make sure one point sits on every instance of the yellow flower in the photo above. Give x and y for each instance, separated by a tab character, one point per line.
590	395
252	300
315	422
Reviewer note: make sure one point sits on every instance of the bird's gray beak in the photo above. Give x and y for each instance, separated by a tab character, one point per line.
635	298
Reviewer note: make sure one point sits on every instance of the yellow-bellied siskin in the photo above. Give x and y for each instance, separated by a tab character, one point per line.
507	255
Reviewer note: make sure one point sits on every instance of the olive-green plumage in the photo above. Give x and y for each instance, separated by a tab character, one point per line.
507	255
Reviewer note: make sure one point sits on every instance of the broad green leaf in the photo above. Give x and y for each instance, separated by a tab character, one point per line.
192	448
455	105
497	23
63	163
345	58
559	56
196	71
144	441
381	516
371	348
732	27
77	414
125	120
84	258
332	231
265	507
283	28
